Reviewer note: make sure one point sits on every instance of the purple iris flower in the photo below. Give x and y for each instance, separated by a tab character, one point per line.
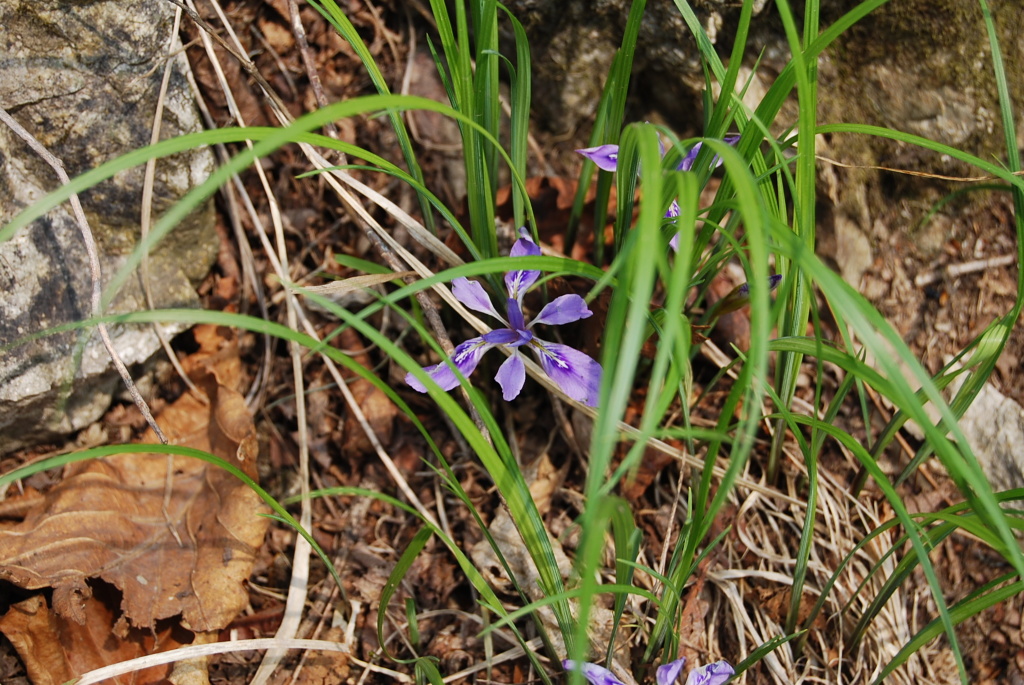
574	372
711	674
606	157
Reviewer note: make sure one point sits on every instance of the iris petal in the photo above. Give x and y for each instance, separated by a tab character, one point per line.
473	295
524	247
606	157
519	281
574	372
511	376
597	675
711	674
669	673
501	336
466	357
563	309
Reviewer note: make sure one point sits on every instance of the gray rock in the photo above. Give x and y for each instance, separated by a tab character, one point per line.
83	77
994	428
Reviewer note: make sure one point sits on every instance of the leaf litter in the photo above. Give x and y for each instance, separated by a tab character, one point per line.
181	548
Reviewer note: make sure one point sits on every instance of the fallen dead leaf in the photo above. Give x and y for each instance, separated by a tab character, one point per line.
108	519
54	649
32	629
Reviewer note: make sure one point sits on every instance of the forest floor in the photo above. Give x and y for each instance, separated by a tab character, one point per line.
741	596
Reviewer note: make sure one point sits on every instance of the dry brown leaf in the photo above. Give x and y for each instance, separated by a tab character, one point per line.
106	518
32	629
54	649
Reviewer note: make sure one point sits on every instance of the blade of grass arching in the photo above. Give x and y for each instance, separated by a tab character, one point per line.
521	95
959	613
978	370
395	578
269	139
333	14
625	327
804	202
627	538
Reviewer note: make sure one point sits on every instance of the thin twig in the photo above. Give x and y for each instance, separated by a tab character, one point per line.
954	270
299	31
94	268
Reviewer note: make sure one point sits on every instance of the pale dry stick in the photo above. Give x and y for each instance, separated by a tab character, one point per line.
257	391
298	585
299	31
911	172
194	651
248	65
514	653
954	270
320	605
94	269
148	181
282	68
145	218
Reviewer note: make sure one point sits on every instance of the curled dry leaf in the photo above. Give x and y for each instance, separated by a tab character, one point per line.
55	649
188	555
